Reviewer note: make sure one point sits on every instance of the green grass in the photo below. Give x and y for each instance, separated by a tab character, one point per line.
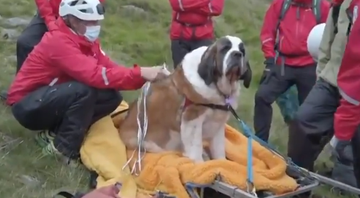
128	37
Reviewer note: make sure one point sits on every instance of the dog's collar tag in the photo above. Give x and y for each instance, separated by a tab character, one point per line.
229	101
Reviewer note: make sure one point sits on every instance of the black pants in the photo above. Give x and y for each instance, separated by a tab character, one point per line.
312	128
303	77
26	42
355	143
30	37
179	48
68	109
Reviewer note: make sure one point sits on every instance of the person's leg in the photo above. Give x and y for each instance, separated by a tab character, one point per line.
69	109
200	43
266	94
355	142
312	126
78	118
107	101
179	49
305	79
30	37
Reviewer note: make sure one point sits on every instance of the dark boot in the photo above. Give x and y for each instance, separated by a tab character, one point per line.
3	95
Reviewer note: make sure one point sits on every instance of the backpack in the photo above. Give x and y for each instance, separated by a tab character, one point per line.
350	14
315	7
68	195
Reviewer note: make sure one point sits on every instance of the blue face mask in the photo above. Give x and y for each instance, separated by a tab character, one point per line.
92	32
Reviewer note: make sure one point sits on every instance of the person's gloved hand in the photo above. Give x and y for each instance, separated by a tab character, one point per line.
270	70
339	148
105	192
154	73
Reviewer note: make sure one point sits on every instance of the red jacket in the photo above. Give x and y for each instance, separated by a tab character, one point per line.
347	116
192	19
65	56
49	10
337	2
293	31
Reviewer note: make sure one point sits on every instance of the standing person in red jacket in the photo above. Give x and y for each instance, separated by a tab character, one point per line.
67	83
287	61
44	20
347	115
192	25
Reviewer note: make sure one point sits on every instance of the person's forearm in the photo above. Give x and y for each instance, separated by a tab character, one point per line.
346	120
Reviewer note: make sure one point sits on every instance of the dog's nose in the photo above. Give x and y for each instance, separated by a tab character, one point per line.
236	54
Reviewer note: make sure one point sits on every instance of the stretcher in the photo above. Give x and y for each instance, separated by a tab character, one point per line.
305	181
102	142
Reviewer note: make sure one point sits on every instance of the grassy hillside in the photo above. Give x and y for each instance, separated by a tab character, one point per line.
135	31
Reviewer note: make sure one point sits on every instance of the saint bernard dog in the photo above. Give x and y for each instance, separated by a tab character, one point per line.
189	106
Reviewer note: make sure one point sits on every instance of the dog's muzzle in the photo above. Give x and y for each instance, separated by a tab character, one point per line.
236	62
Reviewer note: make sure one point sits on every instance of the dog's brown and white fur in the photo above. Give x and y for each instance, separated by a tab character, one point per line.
206	76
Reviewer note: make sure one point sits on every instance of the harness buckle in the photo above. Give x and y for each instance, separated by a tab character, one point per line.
251	188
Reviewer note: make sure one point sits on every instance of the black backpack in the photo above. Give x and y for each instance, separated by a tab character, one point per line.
68	195
315	7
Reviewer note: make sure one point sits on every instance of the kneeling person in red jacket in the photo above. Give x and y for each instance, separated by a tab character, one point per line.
192	25
67	82
284	33
43	21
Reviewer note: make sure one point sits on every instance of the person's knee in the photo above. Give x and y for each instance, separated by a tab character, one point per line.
307	116
114	97
110	99
262	97
82	90
115	101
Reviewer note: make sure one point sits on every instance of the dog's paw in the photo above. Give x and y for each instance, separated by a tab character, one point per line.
196	159
219	157
199	160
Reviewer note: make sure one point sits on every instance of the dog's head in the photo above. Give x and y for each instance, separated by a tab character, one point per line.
225	64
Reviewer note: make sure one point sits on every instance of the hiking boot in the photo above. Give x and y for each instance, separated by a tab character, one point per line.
3	95
50	150
43	138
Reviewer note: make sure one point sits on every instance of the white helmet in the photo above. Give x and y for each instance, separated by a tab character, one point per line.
87	10
314	40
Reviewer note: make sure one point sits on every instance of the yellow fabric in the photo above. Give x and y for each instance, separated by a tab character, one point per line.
104	152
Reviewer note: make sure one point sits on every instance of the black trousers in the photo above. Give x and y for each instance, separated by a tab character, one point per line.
303	77
179	48
312	129
30	37
68	109
26	42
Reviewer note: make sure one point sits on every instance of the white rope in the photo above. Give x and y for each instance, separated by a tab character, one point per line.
142	130
141	133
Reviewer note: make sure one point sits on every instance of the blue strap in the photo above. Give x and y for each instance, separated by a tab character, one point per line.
250	175
250	172
248	133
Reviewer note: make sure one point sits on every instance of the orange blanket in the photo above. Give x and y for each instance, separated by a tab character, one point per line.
104	152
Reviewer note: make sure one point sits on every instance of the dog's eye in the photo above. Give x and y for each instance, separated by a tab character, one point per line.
225	48
242	48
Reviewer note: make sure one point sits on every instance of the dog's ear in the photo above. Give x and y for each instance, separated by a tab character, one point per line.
246	76
208	65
